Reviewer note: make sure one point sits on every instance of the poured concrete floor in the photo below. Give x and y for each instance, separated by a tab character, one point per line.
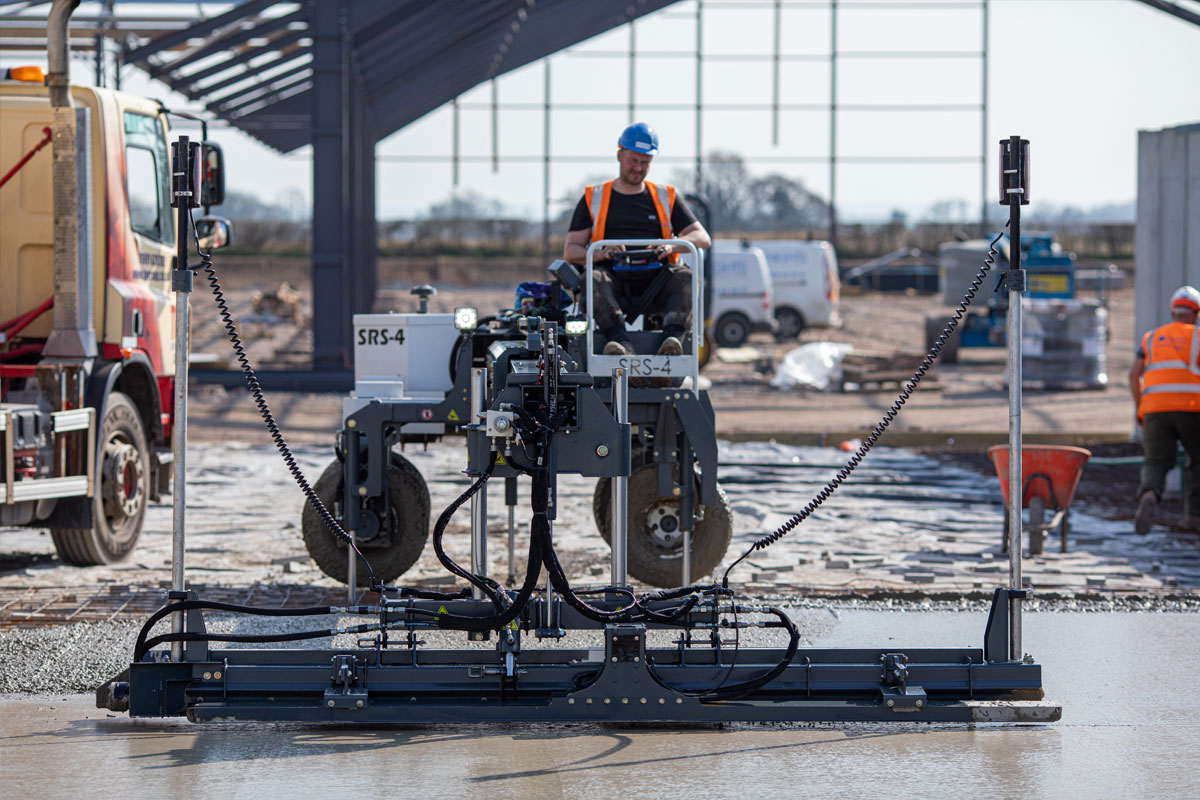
1130	728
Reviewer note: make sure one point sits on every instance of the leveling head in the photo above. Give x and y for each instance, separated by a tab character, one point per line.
1014	171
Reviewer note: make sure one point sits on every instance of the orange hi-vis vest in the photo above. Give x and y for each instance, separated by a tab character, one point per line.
1171	381
664	203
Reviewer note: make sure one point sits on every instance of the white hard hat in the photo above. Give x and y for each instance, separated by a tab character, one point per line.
1186	297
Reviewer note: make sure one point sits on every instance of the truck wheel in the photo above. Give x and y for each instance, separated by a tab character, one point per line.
791	324
655	546
395	549
732	329
123	488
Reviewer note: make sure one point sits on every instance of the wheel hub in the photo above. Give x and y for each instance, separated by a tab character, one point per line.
662	523
122	479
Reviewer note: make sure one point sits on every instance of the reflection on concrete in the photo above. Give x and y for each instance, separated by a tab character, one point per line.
1131	727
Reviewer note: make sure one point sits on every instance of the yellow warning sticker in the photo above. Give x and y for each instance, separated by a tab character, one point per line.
452	416
442	610
500	459
512	626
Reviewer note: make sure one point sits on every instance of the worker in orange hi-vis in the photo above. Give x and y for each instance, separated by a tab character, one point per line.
631	207
1165	382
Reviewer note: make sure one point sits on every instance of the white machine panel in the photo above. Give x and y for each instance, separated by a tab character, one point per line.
412	350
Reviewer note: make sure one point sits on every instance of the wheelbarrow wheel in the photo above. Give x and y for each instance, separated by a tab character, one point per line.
1037	521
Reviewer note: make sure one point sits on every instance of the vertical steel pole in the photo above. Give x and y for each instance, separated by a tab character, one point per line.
479	562
1016	486
351	572
983	125
833	46
620	487
632	73
181	282
775	76
454	151
546	168
549	595
687	505
510	500
699	96
495	128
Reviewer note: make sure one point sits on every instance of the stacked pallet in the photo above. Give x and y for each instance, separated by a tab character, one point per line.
868	372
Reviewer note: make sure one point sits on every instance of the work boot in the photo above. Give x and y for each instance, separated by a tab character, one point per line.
1147	505
671	346
616	348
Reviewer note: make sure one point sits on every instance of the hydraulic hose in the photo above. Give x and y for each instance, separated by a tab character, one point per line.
141	646
906	392
264	410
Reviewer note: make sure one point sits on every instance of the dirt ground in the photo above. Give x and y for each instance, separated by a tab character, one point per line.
968	406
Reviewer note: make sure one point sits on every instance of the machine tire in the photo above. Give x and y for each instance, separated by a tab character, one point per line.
791	324
933	329
408	499
118	506
648	560
732	329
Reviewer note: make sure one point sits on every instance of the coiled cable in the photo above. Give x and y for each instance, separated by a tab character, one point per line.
264	410
906	392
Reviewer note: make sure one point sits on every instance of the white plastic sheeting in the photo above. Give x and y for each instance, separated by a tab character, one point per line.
816	365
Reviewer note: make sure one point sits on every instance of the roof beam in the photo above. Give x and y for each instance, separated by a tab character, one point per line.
190	80
1174	9
232	39
197	31
218	103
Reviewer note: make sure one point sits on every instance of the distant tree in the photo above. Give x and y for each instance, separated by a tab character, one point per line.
777	202
466	205
726	188
952	210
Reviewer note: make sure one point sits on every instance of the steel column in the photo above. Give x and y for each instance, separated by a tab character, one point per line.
983	133
833	48
329	243
620	487
479	562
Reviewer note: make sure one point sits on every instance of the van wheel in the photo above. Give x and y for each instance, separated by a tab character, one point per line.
791	324
732	329
123	487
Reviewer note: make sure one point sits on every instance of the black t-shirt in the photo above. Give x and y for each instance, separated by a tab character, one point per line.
632	216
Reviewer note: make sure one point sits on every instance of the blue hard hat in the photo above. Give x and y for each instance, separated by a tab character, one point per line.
640	137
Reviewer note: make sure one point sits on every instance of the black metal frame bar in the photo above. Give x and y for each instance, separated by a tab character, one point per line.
624	681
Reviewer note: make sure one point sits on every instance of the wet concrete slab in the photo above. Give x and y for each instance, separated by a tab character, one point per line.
1130	728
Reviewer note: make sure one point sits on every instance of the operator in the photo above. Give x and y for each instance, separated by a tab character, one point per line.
631	207
1165	382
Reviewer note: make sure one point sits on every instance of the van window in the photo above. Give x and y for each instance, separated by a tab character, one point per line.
148	177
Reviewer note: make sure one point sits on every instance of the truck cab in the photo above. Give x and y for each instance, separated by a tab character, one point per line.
89	486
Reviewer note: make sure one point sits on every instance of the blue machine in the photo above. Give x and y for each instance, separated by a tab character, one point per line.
1050	273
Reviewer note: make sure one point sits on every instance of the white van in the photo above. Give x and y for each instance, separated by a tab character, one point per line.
805	277
741	293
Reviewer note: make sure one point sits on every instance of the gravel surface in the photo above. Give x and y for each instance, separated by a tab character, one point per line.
80	657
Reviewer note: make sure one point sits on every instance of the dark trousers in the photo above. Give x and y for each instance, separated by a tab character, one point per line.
1160	432
673	302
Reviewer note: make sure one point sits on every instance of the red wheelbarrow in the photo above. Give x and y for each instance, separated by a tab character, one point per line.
1051	473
